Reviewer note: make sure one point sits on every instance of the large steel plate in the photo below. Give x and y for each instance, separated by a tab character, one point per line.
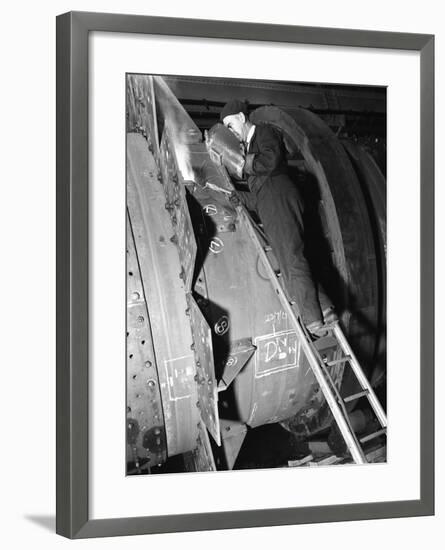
165	294
146	439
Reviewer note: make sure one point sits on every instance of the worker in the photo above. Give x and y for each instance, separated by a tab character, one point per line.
274	197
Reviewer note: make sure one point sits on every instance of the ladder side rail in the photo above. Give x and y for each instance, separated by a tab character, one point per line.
348	435
361	377
334	389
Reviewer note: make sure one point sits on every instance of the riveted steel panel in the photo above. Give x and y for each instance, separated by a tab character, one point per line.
146	439
141	110
176	206
165	294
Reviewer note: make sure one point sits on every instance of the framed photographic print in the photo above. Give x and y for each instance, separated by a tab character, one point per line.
237	208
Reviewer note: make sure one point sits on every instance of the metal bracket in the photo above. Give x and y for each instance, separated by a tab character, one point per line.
205	368
240	352
233	434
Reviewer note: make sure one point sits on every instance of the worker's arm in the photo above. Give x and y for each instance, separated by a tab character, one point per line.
270	155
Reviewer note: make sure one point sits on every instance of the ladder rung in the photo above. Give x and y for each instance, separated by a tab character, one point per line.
355	396
337	361
373	435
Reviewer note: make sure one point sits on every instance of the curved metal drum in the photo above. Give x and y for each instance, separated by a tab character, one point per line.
240	305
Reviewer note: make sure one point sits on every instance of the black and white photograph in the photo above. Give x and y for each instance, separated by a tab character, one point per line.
256	263
222	235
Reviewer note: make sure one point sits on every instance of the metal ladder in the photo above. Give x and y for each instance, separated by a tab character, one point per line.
336	403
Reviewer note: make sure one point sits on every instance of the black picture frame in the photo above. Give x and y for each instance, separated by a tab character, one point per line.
72	273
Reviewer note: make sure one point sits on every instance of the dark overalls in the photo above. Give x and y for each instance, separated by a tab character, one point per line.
277	202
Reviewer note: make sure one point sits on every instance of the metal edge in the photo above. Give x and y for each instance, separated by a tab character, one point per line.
427	473
62	274
205	28
72	276
252	518
72	269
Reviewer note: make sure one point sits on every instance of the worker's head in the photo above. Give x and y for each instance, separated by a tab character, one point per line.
234	117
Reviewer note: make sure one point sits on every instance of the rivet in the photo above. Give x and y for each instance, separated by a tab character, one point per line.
135	296
157	431
140	319
151	383
192	346
148	364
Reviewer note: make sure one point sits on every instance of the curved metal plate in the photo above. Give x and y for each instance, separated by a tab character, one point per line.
165	295
146	439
